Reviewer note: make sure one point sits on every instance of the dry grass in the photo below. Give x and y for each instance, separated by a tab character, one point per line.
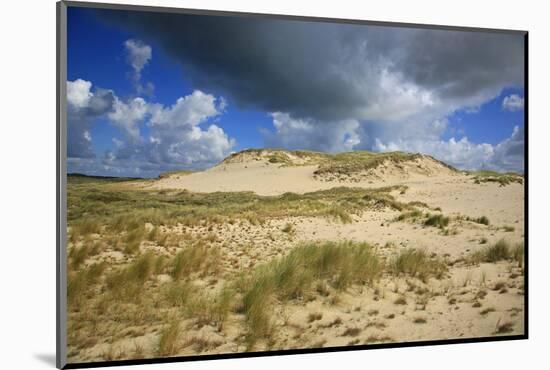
500	251
126	283
414	215
480	220
177	293
206	309
314	316
417	263
80	283
502	179
112	207
504	328
196	258
437	221
351	332
400	301
78	255
288	228
169	341
293	277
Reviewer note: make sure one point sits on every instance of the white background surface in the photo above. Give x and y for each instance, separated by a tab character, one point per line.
27	207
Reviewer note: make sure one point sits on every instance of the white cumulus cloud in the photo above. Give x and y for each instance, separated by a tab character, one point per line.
464	154
180	136
79	93
139	54
128	116
83	106
295	133
512	103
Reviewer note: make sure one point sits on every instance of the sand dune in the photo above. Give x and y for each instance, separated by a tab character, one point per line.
386	201
246	172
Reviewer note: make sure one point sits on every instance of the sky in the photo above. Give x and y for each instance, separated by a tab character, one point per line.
154	92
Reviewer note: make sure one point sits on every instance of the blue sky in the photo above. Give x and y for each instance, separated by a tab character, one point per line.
96	53
126	73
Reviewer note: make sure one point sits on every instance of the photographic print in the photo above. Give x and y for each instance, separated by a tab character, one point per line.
243	184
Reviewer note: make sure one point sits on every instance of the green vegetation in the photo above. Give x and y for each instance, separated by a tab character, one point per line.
293	276
414	215
500	251
340	164
169	340
78	255
437	221
480	220
80	283
427	219
178	293
502	179
174	173
122	211
288	228
126	284
284	157
417	263
307	267
357	161
196	258
208	309
505	327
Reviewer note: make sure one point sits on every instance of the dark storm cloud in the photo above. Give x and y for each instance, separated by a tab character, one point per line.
328	71
460	64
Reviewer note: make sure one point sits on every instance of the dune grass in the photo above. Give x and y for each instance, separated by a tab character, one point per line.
427	219
287	228
126	283
417	263
131	296
480	220
169	341
502	179
414	215
177	293
121	211
79	283
500	251
339	164
438	220
293	277
196	258
349	163
340	265
78	255
210	309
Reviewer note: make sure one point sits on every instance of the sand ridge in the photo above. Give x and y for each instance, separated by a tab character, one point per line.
255	173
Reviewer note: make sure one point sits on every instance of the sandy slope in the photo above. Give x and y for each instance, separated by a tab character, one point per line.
262	178
265	178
